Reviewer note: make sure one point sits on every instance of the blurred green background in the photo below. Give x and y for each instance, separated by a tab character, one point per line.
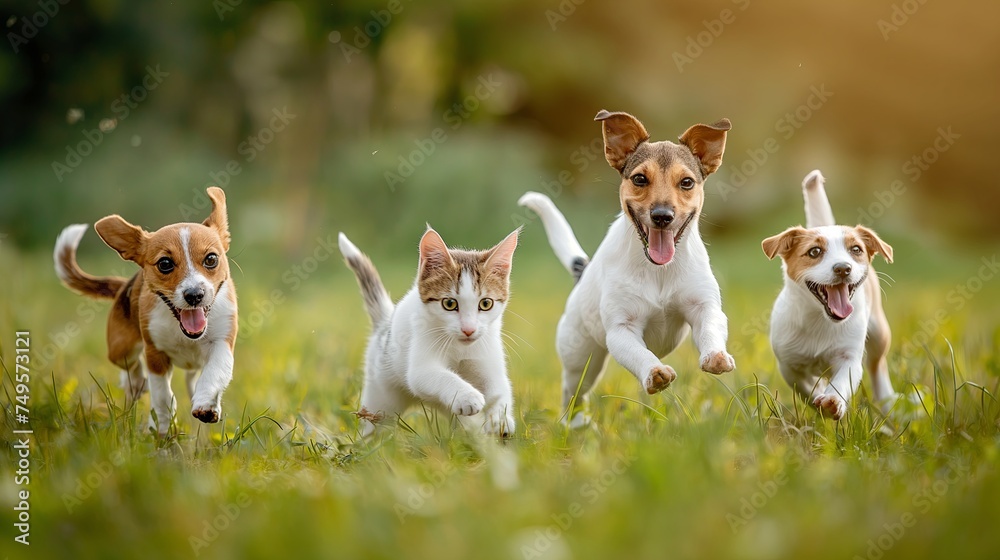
113	106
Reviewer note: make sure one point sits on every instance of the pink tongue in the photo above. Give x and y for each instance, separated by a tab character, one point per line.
193	320
661	245
839	300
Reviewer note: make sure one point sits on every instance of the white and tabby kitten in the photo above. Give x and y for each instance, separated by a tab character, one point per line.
441	343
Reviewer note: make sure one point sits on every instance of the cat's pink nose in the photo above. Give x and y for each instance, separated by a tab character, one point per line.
468	332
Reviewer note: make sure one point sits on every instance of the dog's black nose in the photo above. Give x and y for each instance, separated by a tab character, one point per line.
194	295
842	269
662	216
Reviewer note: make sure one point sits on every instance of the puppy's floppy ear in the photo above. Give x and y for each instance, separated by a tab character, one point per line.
782	243
874	244
501	256
218	219
127	239
622	135
433	252
707	142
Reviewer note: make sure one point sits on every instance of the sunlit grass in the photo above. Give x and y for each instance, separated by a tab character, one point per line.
731	466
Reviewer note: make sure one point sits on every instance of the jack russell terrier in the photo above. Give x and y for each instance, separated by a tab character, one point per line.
829	313
178	309
649	282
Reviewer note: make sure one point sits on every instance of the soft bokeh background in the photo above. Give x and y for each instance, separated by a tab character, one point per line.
377	117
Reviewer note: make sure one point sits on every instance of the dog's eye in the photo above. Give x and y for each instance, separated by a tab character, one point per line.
640	180
449	304
687	183
856	249
211	260
485	304
815	252
165	265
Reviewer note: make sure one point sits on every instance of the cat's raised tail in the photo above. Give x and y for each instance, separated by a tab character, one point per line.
377	300
560	234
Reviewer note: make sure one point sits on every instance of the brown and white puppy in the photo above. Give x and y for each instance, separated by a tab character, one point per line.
829	314
179	309
650	281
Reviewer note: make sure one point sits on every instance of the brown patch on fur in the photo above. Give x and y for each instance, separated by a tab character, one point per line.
663	188
792	245
441	268
871	242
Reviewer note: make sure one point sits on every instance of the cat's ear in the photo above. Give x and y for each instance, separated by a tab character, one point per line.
501	256
433	252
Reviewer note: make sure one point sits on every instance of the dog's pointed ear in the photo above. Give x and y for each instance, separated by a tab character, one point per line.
622	135
501	256
433	252
218	219
782	243
874	244
127	239
707	142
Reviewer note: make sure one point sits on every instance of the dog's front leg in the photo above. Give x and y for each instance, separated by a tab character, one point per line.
709	329
161	397
206	404
626	345
843	385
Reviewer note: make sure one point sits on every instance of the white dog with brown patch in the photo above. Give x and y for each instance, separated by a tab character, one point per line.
829	314
179	309
649	283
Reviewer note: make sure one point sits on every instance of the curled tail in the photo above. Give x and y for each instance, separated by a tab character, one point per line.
377	300
818	211
560	234
72	276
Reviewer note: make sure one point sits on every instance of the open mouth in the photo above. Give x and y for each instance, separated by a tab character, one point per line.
193	321
836	298
659	243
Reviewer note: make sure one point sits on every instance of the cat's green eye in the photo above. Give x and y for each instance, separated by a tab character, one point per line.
449	304
485	304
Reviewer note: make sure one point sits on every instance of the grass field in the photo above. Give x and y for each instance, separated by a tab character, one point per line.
714	467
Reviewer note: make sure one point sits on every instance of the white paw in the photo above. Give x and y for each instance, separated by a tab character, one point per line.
207	410
499	422
832	406
160	427
468	402
718	362
580	420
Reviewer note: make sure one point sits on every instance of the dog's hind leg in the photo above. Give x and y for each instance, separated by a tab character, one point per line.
583	362
876	348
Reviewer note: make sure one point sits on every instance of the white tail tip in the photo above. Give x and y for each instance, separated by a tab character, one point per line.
813	179
69	238
534	200
346	247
